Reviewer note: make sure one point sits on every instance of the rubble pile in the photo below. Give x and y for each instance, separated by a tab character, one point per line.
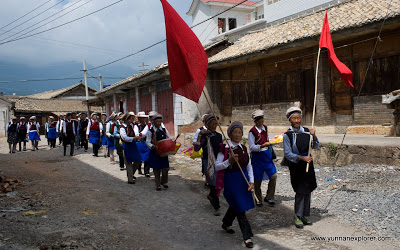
8	184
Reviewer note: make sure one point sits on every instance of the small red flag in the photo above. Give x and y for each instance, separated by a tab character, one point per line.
326	41
187	59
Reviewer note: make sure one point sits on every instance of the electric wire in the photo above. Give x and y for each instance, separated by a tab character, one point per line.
45	20
31	18
59	79
58	26
24	15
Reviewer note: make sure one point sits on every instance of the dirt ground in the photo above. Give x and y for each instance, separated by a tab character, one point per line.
86	203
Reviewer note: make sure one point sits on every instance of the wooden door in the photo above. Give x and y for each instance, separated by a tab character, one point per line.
145	103
341	93
308	86
165	105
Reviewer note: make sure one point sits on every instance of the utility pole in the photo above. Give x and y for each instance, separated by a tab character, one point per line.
142	66
86	86
101	83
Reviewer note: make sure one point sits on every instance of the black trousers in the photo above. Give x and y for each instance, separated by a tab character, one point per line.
69	139
52	143
22	139
120	152
212	196
302	204
146	167
84	142
244	224
96	147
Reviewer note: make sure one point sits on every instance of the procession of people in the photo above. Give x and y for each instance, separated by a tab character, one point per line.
229	167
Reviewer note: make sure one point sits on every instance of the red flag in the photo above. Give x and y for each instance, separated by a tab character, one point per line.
326	41
187	59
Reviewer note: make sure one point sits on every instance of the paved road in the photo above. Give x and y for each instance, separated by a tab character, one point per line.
123	216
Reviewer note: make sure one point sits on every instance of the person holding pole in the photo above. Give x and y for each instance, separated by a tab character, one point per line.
261	159
237	192
209	137
296	150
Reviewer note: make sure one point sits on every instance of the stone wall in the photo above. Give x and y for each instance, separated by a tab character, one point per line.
370	110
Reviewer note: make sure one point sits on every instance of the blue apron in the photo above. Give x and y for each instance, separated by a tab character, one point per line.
34	136
94	137
235	190
144	151
111	143
157	162
263	165
104	140
131	152
52	134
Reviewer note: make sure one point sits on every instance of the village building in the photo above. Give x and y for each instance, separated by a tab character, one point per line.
274	69
42	105
246	17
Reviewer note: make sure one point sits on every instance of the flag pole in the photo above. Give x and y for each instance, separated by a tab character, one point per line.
315	103
230	149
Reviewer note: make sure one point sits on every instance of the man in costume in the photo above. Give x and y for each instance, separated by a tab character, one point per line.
22	131
68	131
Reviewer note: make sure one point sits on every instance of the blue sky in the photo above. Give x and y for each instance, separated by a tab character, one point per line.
112	33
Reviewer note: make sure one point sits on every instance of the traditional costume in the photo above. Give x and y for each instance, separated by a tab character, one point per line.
296	144
93	132
52	133
156	162
118	146
60	126
104	138
33	132
68	131
82	129
143	128
22	132
110	136
235	186
128	132
12	134
210	143
261	160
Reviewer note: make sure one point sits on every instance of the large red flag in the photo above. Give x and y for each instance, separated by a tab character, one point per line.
326	41
187	59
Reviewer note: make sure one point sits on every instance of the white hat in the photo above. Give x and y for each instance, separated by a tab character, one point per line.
142	114
256	114
293	110
152	113
32	118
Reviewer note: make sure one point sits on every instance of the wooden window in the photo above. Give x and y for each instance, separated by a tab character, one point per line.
232	23
383	76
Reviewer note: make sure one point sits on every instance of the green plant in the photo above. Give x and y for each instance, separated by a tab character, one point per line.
244	141
332	150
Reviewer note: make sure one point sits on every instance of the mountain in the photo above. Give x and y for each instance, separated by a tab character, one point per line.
15	71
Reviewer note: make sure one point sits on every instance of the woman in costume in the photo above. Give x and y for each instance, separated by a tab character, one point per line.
129	135
296	144
118	146
93	133
110	136
33	132
261	159
22	131
12	134
236	190
209	140
52	132
104	138
159	164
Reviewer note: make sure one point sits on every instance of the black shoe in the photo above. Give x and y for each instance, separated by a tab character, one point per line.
147	175
131	182
158	188
134	177
248	243
271	203
122	169
164	185
229	230
259	204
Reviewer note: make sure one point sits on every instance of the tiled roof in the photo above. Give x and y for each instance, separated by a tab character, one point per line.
50	105
343	16
231	1
54	93
133	78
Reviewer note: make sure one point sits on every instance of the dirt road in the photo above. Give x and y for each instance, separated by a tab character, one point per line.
86	203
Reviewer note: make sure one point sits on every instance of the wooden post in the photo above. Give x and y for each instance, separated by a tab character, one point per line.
315	102
230	149
86	87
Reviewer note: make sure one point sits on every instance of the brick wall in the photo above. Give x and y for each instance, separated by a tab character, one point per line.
369	110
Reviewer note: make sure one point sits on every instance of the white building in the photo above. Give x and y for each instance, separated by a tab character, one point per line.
246	17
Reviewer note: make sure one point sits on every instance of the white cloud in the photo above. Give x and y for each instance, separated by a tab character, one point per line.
127	27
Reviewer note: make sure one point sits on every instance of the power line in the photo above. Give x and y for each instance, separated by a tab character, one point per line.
31	18
24	15
60	79
63	23
45	20
155	44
